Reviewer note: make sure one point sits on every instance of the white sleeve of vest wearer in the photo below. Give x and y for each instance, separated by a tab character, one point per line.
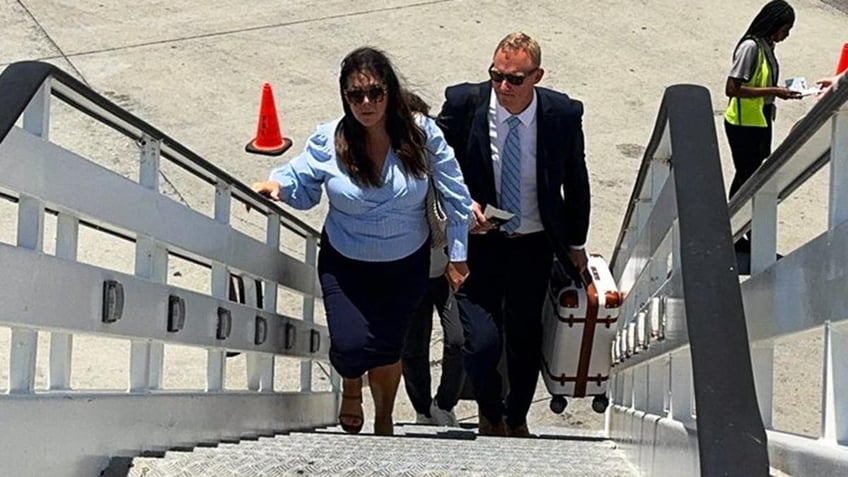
744	61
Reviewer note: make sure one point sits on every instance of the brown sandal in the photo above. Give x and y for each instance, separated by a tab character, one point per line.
354	421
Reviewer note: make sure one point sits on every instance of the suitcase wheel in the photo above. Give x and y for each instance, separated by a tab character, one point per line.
558	404
599	403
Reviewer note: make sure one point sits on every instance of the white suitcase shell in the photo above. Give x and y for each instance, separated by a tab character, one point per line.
579	327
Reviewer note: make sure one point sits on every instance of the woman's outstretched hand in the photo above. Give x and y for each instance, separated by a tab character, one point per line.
270	189
827	83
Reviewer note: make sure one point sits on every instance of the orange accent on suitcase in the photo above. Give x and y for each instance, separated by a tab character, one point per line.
588	339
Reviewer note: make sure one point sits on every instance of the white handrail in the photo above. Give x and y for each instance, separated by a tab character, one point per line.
680	348
61	295
804	291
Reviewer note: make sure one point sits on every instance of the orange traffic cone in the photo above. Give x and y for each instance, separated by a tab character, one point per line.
268	140
843	60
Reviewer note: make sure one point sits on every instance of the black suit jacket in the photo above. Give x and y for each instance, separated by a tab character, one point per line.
562	178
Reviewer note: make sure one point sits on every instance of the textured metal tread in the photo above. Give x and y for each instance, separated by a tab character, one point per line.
414	451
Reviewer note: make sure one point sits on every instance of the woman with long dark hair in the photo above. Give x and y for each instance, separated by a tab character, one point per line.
752	86
374	163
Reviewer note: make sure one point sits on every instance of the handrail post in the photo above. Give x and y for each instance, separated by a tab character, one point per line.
763	255
269	300
31	236
260	366
835	385
657	382
37	113
216	368
680	405
151	262
311	259
62	344
835	370
25	341
838	201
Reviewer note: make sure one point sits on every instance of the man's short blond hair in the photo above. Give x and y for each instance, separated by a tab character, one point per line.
521	41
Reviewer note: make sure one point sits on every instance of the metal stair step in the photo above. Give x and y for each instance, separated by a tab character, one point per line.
414	451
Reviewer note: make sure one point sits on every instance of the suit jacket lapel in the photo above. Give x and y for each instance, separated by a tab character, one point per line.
480	127
541	144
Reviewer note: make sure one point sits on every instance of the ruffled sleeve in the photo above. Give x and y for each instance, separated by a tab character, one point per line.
455	199
302	177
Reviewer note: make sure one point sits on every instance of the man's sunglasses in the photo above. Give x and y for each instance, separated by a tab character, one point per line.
513	79
374	94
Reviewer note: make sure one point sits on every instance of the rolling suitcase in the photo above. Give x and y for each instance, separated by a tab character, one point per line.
578	327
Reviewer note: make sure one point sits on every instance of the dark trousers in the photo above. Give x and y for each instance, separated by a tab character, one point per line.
368	306
416	351
502	300
749	146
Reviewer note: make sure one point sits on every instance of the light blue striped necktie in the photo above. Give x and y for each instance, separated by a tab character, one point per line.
511	175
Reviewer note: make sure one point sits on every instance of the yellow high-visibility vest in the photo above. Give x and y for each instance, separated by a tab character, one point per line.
749	111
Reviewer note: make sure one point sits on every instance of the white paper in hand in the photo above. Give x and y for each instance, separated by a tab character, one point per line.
799	84
496	216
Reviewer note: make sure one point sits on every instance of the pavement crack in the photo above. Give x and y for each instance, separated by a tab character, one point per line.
53	42
243	30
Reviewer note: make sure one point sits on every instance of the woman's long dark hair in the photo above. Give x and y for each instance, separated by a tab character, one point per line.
406	138
772	17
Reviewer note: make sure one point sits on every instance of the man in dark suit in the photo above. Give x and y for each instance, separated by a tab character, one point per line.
521	150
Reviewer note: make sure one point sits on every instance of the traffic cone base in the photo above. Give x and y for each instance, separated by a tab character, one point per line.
843	60
269	151
268	140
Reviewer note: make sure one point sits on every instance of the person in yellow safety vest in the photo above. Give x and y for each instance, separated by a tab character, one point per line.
752	87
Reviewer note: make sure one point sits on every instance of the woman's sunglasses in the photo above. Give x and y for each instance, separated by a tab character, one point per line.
513	79
374	94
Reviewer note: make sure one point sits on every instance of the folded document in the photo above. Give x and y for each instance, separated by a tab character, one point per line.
800	85
496	216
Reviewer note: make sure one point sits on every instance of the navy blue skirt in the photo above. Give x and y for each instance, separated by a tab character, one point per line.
368	306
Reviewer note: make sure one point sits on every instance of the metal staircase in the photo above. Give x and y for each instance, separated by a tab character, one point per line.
683	388
414	451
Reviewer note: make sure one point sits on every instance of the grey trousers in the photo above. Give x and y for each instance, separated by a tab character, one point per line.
416	350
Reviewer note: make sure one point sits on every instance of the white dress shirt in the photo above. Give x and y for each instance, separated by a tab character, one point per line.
531	221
